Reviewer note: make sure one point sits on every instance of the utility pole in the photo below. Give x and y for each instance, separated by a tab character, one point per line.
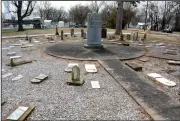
146	17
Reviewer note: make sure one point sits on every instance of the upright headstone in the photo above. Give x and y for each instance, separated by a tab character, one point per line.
94	31
62	34
57	33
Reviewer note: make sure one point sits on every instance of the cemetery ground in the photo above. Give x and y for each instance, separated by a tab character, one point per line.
54	99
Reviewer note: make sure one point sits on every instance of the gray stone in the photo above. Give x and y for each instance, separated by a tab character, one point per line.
41	77
74	78
134	66
174	62
94	30
36	81
11	53
170	52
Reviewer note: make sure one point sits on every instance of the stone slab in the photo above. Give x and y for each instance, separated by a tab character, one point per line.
160	44
52	41
173	62
154	75
70	65
6	48
36	81
17	77
15	57
17	63
91	68
134	66
41	77
171	52
17	44
144	59
95	84
11	53
6	75
166	82
75	83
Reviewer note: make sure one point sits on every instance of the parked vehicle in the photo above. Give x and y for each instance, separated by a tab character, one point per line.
167	30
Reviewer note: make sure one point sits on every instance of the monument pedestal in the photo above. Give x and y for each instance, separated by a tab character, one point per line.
93	46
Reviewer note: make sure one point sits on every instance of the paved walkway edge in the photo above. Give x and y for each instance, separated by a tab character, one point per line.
152	113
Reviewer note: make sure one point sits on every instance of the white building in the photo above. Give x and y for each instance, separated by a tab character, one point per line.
61	23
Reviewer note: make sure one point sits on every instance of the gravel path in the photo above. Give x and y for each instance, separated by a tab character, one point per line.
54	100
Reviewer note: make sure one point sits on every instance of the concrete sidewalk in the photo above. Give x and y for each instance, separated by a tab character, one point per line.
157	104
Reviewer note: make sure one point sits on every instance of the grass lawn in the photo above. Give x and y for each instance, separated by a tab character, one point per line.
152	36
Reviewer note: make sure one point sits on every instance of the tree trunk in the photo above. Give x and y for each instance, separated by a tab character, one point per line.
20	26
119	18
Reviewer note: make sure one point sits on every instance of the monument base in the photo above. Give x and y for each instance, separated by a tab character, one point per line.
93	46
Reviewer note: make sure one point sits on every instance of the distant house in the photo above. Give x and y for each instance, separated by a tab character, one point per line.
141	25
61	23
47	23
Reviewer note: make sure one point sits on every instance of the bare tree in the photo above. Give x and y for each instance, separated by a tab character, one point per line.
24	9
119	18
79	13
95	6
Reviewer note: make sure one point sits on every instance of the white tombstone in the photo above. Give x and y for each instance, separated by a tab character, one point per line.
94	30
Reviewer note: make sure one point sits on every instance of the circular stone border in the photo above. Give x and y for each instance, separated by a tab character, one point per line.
109	47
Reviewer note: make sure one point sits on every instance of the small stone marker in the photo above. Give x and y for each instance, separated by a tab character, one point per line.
160	44
95	84
39	78
144	59
82	32
84	35
174	62
171	52
17	77
6	48
15	57
62	34
154	75
36	41
16	44
91	68
52	41
18	62
72	32
28	45
166	82
57	33
11	53
20	114
70	65
134	66
75	78
6	75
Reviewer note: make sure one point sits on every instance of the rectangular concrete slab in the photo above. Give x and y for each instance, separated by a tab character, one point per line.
134	66
17	77
17	113
6	75
166	82
15	57
95	84
11	53
154	75
36	81
91	68
70	65
174	62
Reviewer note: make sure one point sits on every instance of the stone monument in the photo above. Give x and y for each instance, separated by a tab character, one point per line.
94	31
75	78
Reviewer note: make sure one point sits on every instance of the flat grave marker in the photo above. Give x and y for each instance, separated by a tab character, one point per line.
95	84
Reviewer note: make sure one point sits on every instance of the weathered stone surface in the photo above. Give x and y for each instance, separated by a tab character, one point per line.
171	52
70	65
41	77
144	59
15	57
154	75
166	82
75	78
11	53
134	66
17	63
91	68
94	30
174	62
36	81
95	84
